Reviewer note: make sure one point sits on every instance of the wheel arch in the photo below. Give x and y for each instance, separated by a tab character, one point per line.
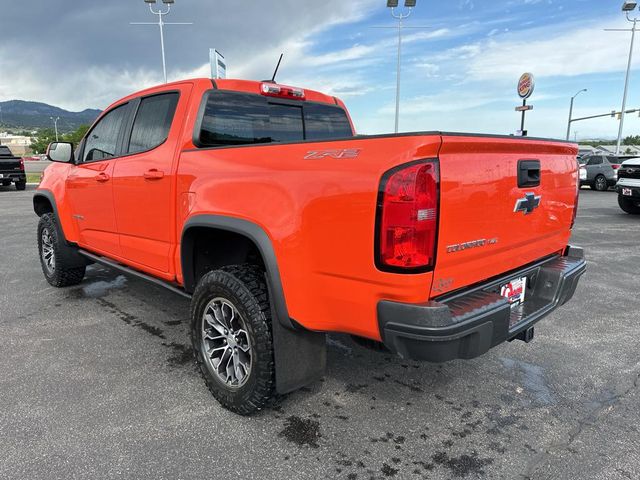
44	202
251	235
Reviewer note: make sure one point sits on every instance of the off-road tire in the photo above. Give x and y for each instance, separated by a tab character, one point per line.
66	271
600	184
244	286
629	205
21	185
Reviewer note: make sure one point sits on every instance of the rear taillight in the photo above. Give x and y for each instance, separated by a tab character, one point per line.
615	167
22	164
407	218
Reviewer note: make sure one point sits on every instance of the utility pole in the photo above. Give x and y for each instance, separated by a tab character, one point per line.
55	125
571	112
161	23
409	5
627	7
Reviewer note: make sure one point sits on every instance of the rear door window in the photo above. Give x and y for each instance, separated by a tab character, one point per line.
153	121
232	118
595	161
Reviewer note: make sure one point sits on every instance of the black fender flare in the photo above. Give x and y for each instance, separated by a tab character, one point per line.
253	232
48	195
300	355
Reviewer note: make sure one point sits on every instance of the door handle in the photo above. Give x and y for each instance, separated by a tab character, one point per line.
102	177
153	174
528	173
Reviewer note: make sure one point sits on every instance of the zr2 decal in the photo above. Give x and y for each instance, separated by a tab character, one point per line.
337	154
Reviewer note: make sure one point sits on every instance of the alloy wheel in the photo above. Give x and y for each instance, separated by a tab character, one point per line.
48	255
225	343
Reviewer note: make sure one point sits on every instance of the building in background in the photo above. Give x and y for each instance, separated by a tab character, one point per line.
18	144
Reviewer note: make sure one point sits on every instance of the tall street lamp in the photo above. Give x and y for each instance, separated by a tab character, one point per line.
571	112
408	8
627	8
161	23
55	125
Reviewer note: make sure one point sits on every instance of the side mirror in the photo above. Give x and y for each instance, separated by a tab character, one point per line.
60	152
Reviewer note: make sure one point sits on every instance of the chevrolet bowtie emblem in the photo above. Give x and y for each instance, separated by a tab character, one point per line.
528	204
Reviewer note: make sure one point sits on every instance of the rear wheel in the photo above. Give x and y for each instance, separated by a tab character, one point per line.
629	205
600	183
232	339
58	268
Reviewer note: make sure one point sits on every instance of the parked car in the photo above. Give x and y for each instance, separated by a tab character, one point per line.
260	203
11	169
602	171
628	186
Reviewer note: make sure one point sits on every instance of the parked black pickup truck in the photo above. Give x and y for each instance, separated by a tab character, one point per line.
11	169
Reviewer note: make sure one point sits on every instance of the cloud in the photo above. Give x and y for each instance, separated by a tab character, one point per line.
92	55
561	50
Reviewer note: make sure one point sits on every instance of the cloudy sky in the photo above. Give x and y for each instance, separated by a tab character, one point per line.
459	71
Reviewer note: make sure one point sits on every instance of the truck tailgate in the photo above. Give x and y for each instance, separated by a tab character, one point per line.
492	221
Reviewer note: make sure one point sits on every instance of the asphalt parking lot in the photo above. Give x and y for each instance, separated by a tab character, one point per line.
97	381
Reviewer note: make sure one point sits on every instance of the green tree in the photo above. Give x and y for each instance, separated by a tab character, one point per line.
632	140
75	136
42	140
44	137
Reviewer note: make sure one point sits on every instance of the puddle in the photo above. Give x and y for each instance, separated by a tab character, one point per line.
101	287
303	432
533	378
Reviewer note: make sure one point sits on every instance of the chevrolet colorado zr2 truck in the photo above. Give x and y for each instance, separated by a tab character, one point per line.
260	203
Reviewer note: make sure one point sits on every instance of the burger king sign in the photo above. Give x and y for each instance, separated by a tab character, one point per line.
526	84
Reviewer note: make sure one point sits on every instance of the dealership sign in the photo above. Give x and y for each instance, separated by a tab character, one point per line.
526	84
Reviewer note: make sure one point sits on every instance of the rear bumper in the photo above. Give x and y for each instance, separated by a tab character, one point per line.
13	177
467	324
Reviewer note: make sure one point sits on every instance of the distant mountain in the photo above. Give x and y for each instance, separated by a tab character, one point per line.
33	115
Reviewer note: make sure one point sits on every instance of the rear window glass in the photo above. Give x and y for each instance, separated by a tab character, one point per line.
232	118
153	121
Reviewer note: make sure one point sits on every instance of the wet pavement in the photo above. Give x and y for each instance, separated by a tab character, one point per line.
97	381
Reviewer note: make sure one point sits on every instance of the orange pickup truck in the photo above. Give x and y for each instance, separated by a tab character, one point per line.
260	203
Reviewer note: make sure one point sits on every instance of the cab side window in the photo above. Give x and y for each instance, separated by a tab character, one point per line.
102	142
153	121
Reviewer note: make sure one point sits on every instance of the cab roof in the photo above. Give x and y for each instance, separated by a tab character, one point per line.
248	86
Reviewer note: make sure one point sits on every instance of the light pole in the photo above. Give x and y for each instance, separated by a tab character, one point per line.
571	112
627	7
161	23
55	125
408	8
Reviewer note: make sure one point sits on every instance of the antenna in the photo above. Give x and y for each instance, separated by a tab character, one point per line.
273	79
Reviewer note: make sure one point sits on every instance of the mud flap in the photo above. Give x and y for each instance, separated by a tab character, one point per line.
300	355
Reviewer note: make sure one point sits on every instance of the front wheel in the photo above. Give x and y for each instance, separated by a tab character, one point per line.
629	205
232	338
58	268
